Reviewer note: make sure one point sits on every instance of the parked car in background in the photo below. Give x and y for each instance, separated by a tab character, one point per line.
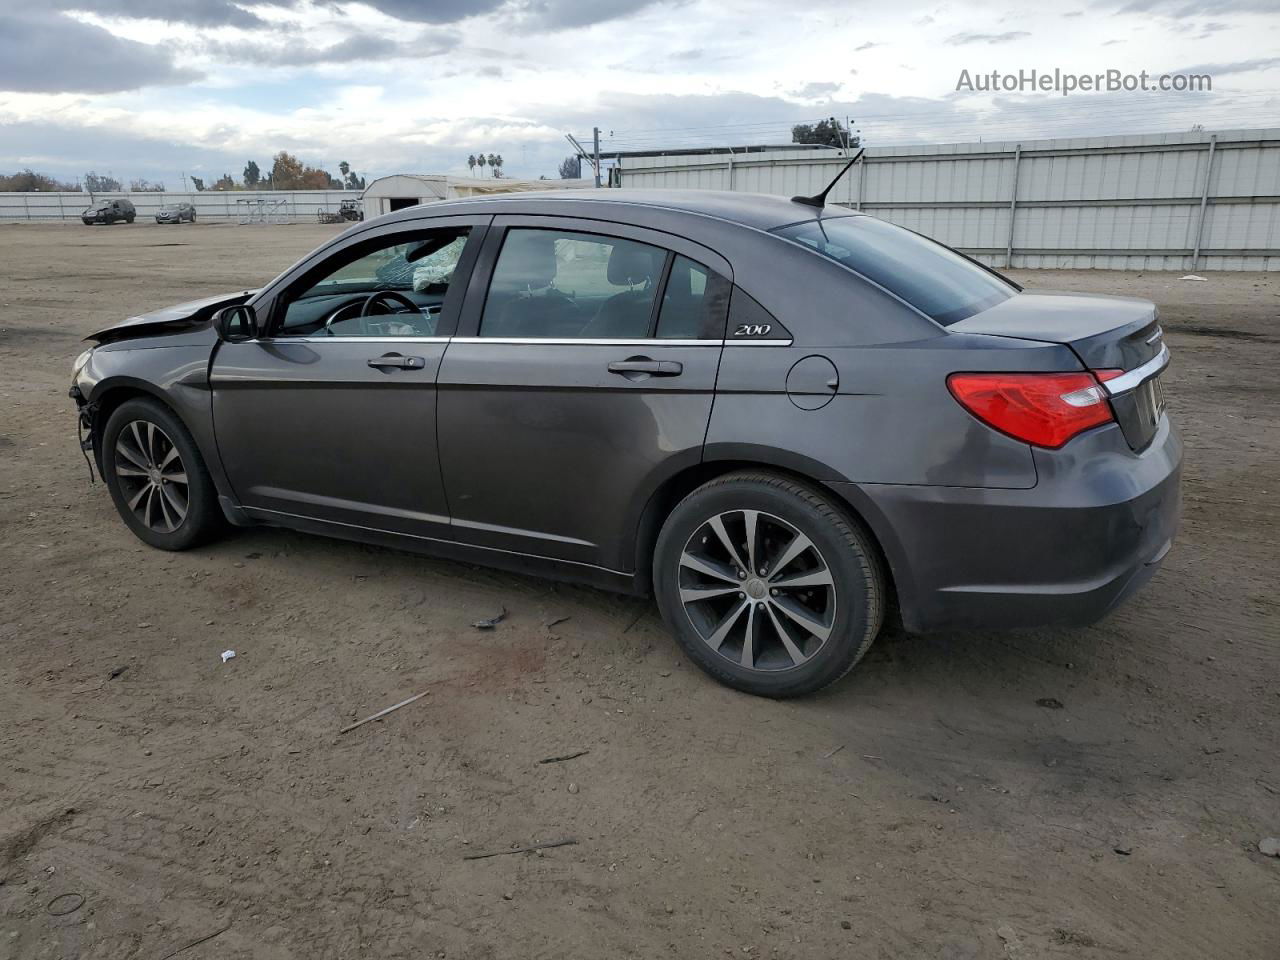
109	211
782	421
176	213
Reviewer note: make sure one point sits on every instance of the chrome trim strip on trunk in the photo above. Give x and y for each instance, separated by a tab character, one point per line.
1138	375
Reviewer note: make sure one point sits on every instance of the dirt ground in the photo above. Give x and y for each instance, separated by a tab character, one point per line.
931	805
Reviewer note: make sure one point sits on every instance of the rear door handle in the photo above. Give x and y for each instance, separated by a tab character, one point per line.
643	366
395	361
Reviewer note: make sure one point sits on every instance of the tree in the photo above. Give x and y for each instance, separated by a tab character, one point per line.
100	184
286	171
571	168
313	178
830	133
480	162
225	182
471	163
350	181
28	181
251	175
145	186
493	165
497	165
198	183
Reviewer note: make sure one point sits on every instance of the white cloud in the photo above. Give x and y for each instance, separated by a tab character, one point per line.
399	84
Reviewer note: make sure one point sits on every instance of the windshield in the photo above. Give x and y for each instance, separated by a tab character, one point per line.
937	281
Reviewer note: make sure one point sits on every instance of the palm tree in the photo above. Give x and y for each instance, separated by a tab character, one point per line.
480	161
498	165
493	165
471	163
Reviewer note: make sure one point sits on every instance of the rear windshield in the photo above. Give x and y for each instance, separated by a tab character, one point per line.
936	281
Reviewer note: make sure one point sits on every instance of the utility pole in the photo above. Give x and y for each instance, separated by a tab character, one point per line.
595	135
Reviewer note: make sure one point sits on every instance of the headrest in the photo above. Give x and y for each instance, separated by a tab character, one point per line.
528	259
631	263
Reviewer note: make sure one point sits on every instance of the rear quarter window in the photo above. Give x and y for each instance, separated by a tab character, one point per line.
937	281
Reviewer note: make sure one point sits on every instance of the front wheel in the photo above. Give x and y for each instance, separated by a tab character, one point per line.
157	478
767	586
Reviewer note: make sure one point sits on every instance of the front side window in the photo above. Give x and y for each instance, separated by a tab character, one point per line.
935	280
396	289
561	284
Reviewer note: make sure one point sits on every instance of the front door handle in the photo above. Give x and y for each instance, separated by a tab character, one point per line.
635	368
395	361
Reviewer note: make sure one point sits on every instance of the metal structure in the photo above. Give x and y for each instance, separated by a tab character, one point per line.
1184	201
261	210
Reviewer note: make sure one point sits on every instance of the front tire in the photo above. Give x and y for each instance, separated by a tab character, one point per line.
767	586
157	478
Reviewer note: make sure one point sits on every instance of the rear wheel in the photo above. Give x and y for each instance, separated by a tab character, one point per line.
767	586
157	478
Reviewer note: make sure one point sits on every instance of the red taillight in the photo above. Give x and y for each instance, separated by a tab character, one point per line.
1045	409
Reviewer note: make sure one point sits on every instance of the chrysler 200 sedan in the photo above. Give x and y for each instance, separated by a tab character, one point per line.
782	420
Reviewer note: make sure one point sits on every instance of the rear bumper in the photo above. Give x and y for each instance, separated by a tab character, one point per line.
1069	550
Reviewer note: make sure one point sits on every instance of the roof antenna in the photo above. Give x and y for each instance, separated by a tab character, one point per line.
820	199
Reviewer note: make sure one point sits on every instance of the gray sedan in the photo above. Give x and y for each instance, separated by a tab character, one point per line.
782	420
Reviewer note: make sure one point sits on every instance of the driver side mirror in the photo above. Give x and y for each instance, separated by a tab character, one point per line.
236	324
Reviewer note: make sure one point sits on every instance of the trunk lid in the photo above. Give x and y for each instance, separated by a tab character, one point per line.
1106	333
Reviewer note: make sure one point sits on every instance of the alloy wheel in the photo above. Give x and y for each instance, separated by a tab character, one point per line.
152	476
757	590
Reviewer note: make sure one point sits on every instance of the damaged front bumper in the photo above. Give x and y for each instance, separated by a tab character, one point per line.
86	411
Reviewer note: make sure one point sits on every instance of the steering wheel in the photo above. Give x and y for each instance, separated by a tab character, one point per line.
365	305
347	306
392	296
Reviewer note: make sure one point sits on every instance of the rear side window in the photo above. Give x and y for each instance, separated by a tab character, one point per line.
561	284
694	302
935	280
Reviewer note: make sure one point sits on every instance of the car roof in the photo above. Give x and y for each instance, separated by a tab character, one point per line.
758	210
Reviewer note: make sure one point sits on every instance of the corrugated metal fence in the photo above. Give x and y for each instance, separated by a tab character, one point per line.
1189	201
272	206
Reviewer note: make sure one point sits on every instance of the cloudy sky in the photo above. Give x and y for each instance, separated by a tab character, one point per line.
156	88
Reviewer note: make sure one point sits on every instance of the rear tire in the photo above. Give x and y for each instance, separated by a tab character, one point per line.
157	478
811	605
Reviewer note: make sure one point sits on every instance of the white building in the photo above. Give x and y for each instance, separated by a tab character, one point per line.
410	189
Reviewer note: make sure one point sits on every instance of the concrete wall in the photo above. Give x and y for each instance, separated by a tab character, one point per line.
279	205
1187	201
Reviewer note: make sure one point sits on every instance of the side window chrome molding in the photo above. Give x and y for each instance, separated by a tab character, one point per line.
545	341
352	339
626	342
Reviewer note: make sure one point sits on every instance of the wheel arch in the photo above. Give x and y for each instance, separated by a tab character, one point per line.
109	395
678	486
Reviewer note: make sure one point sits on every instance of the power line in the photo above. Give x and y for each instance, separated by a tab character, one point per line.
1114	107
